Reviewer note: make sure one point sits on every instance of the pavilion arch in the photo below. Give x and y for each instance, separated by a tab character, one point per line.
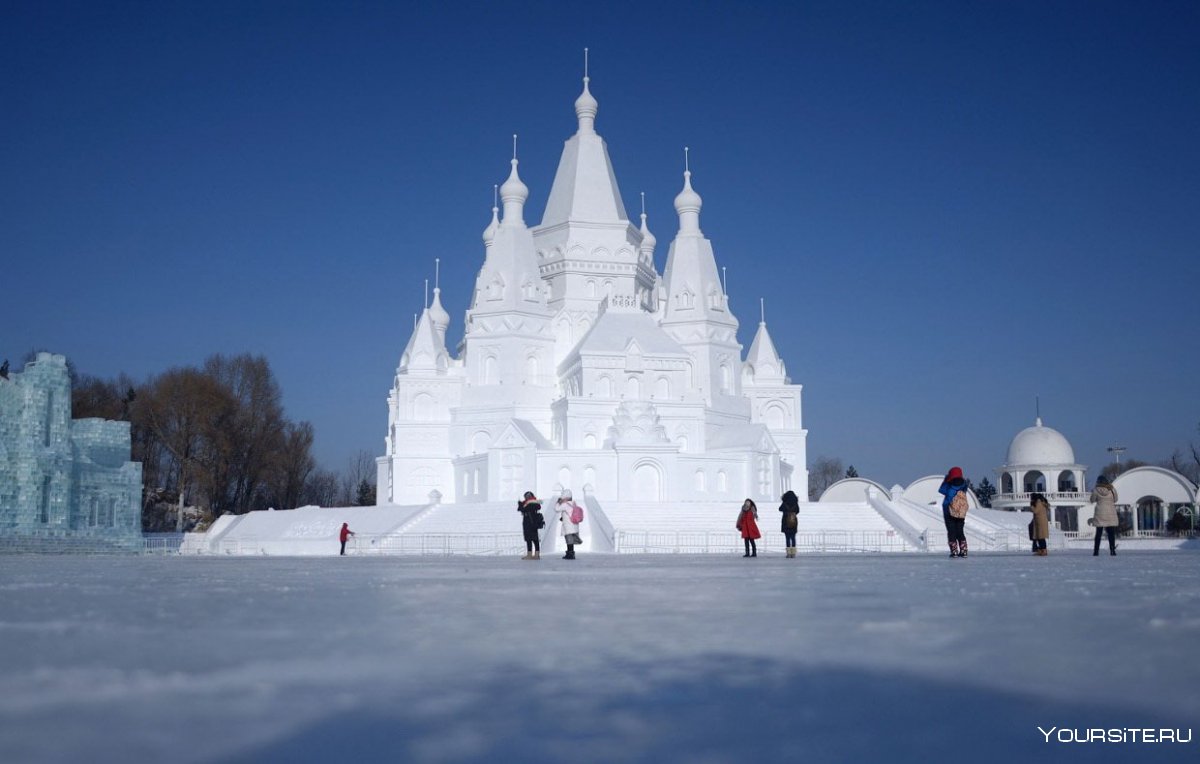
1167	485
853	490
1006	483
489	370
662	388
1065	482
1034	481
604	386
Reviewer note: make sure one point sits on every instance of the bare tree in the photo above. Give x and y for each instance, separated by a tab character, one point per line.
177	409
321	488
825	472
360	470
294	463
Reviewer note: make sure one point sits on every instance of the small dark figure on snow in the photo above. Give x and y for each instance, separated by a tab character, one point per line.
954	510
1105	519
790	522
345	535
570	515
1039	526
4	369
747	526
532	523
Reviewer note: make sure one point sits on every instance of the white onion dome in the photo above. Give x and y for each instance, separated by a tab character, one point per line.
489	233
648	240
513	194
1040	446
688	204
586	107
438	314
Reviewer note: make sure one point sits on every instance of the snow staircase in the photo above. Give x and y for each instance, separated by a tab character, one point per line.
984	533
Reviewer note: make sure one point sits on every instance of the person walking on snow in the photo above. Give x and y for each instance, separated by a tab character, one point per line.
748	527
570	515
531	524
1105	519
345	534
1039	526
790	521
954	486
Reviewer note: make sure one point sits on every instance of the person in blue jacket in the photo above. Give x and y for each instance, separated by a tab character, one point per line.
953	483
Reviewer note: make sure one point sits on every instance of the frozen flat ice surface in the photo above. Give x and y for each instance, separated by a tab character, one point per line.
610	658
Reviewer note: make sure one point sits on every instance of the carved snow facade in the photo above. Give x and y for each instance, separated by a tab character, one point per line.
582	367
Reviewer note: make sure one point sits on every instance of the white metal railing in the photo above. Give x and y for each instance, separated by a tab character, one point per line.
162	544
1142	534
437	544
1057	496
730	542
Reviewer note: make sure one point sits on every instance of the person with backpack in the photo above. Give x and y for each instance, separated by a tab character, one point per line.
954	510
748	527
790	521
570	515
1105	519
344	536
1039	526
531	524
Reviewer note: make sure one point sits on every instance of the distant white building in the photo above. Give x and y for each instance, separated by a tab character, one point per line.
1041	460
582	367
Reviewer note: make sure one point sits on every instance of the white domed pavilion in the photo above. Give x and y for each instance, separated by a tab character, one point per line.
1040	460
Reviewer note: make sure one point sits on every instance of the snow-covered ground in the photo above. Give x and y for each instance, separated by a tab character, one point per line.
610	658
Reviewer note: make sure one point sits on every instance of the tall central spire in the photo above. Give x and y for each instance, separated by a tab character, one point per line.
585	187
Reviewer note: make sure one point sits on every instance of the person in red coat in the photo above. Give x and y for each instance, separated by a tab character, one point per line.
345	534
749	528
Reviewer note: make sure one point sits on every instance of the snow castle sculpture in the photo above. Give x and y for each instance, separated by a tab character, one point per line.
65	484
582	367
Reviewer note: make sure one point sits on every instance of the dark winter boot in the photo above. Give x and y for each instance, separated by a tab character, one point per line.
962	548
954	549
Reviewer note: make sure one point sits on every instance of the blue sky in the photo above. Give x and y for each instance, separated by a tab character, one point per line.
949	207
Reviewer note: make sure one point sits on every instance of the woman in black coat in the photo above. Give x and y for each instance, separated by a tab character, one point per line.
532	523
790	521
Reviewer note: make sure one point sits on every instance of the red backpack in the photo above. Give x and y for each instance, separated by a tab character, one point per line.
576	514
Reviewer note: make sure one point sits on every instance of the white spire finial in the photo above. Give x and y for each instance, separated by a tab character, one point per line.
586	105
514	193
426	294
762	311
437	271
724	281
489	233
688	202
648	240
